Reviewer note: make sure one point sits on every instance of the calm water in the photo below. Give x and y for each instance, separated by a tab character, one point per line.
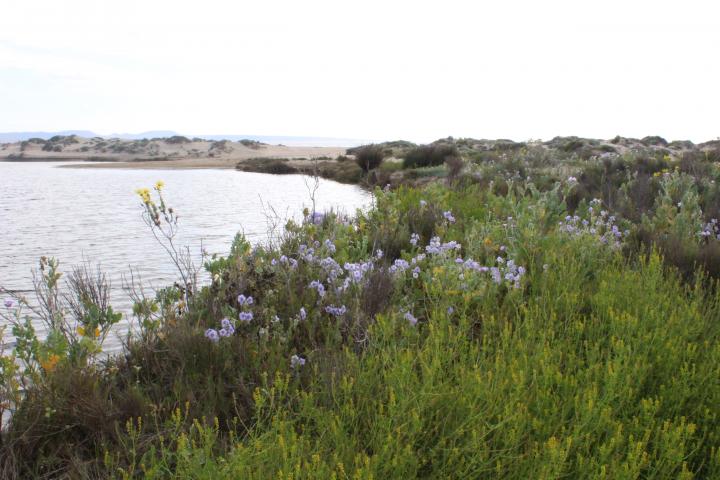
94	214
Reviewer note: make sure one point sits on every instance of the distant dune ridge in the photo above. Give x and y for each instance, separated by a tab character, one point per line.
174	151
12	137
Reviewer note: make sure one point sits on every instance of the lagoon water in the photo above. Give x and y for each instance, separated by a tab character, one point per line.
93	214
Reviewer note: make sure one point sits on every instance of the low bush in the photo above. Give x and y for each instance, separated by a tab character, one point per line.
369	157
177	139
429	155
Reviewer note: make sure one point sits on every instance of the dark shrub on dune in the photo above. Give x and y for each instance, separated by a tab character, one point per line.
369	157
429	155
175	139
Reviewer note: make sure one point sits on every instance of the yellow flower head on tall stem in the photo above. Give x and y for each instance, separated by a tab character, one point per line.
159	185
144	194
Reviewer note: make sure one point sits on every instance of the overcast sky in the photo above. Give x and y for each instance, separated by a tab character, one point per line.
363	69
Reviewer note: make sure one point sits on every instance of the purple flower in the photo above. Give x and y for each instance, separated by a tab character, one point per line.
296	361
416	272
246	317
317	218
330	246
319	287
303	313
449	216
450	310
399	265
410	318
336	311
212	334
243	300
495	272
414	238
9	303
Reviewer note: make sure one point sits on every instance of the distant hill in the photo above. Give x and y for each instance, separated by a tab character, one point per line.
12	137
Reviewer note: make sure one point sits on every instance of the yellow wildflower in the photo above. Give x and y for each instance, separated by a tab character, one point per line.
50	363
144	194
487	241
97	332
159	185
81	331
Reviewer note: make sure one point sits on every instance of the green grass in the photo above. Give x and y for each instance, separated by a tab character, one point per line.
599	362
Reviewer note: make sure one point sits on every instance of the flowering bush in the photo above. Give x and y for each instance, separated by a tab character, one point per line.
370	347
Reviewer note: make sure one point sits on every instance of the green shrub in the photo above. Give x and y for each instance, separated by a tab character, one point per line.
369	157
429	155
177	139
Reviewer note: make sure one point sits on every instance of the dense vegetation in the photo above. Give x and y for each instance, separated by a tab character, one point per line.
534	314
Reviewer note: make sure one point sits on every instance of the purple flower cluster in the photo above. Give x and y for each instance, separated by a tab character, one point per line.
329	246
212	335
449	216
357	271
410	318
315	284
336	311
399	266
414	239
9	303
710	230
227	330
316	218
284	260
245	302
296	362
306	253
436	247
602	226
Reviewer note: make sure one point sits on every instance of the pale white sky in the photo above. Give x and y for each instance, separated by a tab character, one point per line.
363	69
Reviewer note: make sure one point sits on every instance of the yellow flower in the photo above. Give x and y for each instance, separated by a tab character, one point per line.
487	241
159	185
49	364
81	331
97	332
144	194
